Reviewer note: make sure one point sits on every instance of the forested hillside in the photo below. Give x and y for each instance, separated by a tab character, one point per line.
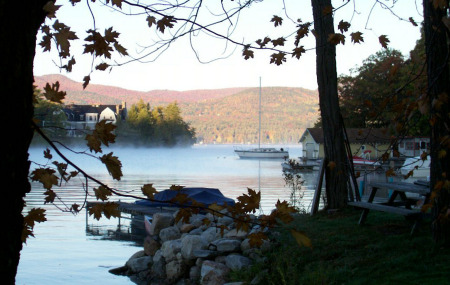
286	112
218	116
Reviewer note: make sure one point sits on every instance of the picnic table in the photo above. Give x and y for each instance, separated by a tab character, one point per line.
402	207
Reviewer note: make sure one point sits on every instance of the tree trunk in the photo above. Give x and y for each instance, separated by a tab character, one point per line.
336	172
19	23
437	53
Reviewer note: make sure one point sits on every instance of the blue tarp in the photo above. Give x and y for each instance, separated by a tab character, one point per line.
205	196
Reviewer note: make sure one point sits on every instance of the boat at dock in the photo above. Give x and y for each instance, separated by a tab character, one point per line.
419	167
300	164
360	162
166	200
205	196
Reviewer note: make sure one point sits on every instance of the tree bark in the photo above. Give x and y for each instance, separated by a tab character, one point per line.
437	54
336	172
19	23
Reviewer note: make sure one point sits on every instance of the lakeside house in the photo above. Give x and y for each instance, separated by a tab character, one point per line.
413	146
372	143
84	117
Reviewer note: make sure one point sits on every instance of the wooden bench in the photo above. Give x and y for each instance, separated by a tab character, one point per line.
403	207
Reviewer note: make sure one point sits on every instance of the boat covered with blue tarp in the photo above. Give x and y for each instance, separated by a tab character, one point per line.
206	196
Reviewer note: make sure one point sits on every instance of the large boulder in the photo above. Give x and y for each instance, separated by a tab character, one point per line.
169	233
175	270
151	246
213	273
211	234
158	269
185	228
234	233
198	220
227	245
160	221
191	243
237	261
139	264
170	248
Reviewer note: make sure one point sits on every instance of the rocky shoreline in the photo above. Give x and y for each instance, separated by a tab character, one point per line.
203	251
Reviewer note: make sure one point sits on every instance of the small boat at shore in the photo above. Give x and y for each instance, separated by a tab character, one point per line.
419	167
364	163
299	165
166	199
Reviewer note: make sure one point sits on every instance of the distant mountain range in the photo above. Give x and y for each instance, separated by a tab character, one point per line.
219	115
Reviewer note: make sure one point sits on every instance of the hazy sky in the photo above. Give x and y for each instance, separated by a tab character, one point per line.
179	69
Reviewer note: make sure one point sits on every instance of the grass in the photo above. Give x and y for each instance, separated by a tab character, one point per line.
382	251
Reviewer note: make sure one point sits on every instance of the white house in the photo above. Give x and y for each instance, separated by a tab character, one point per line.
84	117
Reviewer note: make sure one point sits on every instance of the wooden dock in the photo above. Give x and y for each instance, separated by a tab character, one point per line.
134	209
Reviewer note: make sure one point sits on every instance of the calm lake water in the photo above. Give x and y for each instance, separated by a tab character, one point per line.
70	249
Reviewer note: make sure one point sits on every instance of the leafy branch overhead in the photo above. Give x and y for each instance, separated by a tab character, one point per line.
162	19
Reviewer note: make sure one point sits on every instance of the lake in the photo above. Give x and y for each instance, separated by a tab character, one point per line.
70	249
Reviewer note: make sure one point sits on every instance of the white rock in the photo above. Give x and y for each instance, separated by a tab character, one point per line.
160	221
211	234
189	244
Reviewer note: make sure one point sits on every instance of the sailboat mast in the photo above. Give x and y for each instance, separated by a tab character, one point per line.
259	135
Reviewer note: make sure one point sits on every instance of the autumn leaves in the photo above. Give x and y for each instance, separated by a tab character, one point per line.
303	30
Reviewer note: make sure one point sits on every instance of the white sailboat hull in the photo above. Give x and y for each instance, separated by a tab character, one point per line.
262	153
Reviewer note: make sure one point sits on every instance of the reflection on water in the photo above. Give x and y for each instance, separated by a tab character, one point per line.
128	228
79	249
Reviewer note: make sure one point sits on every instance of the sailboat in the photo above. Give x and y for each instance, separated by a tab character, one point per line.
261	152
